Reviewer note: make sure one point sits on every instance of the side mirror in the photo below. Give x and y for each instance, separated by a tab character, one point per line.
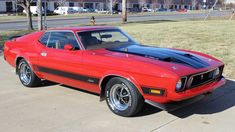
68	47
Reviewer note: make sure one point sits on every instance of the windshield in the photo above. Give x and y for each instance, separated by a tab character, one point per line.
104	38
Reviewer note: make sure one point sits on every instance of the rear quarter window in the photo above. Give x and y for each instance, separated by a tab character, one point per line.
44	38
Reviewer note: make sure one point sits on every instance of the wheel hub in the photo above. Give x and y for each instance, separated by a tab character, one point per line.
25	73
120	97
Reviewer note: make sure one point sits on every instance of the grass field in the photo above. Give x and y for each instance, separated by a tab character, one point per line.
214	37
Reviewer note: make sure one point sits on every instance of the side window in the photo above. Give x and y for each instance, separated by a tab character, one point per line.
44	38
90	38
59	39
72	40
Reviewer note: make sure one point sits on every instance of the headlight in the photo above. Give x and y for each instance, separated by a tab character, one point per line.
216	72
180	84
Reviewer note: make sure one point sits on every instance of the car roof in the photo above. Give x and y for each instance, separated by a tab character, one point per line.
83	28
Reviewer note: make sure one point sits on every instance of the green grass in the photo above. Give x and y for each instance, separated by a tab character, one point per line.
213	37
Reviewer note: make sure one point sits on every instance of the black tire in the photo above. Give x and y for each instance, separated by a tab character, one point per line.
132	102
33	79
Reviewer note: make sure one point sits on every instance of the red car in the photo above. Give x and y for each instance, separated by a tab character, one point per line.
107	61
182	10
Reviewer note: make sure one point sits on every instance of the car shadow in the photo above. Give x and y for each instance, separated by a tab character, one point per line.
220	100
46	83
79	90
147	110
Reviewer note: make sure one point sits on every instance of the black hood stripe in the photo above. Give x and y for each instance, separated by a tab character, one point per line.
163	54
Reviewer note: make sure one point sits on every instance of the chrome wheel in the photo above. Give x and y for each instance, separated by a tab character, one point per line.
120	97
25	73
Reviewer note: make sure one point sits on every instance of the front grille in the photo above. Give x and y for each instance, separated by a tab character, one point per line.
202	78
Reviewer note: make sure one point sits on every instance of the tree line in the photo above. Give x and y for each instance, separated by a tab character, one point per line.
27	3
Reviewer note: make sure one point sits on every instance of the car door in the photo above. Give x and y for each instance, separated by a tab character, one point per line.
64	66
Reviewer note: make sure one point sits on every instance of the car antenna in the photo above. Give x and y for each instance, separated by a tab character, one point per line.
126	49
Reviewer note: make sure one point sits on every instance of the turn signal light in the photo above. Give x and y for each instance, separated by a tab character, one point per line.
155	91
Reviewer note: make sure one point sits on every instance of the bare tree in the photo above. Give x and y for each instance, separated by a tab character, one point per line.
115	2
221	3
112	3
168	3
208	14
111	6
39	11
232	15
155	3
124	11
194	4
26	5
143	2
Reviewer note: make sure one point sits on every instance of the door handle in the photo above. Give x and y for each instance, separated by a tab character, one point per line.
44	54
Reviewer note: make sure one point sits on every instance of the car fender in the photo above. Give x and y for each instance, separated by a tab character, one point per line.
122	75
26	58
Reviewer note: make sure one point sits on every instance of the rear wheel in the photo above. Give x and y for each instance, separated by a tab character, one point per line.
26	75
122	97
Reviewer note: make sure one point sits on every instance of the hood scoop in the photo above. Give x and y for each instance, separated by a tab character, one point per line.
162	54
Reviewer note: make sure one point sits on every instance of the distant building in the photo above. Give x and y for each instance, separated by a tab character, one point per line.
133	5
11	6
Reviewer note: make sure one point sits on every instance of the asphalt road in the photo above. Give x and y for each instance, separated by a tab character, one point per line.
57	108
65	22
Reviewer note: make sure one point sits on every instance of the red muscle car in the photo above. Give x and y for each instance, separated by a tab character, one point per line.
107	61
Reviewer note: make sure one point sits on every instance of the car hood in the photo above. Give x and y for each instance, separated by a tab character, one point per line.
163	54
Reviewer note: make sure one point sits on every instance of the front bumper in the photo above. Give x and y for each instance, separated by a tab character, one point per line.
175	105
174	101
197	90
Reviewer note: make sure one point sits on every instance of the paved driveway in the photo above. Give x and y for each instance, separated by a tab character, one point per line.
57	108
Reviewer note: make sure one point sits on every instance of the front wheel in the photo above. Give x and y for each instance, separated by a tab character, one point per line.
26	75
122	97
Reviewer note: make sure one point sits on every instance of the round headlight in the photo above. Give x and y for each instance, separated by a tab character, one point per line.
179	85
216	72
